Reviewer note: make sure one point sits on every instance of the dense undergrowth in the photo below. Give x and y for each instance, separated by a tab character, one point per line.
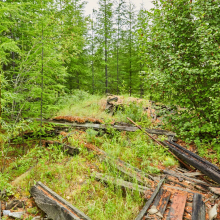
72	177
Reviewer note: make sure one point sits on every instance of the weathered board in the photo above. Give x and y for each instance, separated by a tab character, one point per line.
55	206
201	164
198	208
177	207
103	127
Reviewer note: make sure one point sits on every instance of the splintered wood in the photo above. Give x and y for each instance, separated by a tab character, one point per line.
161	202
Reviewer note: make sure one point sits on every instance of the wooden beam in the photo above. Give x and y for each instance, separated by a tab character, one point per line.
196	161
55	206
198	208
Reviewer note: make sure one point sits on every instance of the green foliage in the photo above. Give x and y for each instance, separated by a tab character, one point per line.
4	185
91	135
181	45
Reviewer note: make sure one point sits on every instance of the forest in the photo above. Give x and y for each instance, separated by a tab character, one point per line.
57	63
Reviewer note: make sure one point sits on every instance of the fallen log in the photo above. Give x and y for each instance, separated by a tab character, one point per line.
66	148
198	208
120	182
196	161
148	203
55	206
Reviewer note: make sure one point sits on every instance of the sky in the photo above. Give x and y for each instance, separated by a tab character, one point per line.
94	4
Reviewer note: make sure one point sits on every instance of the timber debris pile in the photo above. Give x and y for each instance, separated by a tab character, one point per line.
190	191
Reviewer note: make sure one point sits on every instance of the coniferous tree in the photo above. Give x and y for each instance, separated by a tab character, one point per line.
104	32
131	67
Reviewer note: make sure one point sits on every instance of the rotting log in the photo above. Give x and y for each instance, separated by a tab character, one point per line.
120	182
198	208
66	148
149	202
196	161
55	206
177	207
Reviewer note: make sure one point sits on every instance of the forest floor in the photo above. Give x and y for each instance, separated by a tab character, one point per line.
73	177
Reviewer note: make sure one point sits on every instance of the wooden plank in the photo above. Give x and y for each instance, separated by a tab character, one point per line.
148	203
55	206
177	207
196	161
162	200
103	126
120	182
198	208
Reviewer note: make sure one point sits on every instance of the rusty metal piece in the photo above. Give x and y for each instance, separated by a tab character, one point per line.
177	207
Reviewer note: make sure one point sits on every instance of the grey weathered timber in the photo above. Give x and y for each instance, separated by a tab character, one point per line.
104	127
148	203
120	182
180	175
55	206
196	161
198	207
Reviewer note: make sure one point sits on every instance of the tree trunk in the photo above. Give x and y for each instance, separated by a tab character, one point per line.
130	57
106	51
